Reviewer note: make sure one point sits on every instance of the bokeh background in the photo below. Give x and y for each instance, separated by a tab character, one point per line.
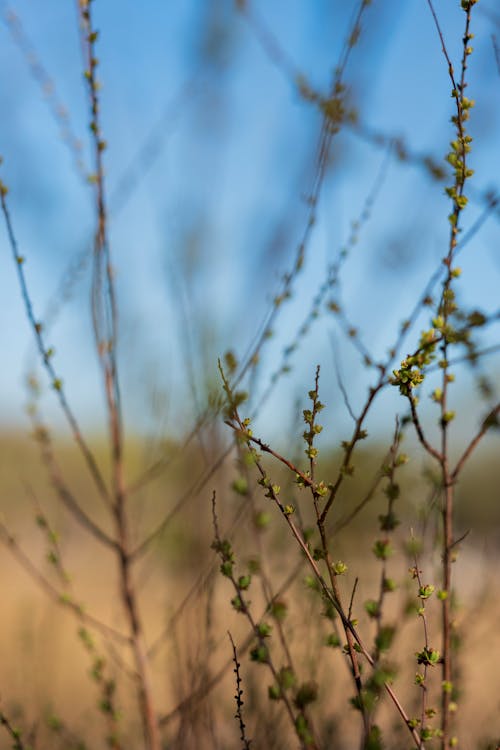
211	157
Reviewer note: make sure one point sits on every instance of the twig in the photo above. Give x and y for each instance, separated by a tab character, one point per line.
416	421
45	355
105	322
238	697
16	734
46	83
63	492
488	422
195	488
267	449
340	379
54	594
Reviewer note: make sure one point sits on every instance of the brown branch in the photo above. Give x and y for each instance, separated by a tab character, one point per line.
329	593
105	322
267	449
213	681
200	584
64	493
416	421
45	355
157	467
340	379
487	423
14	732
245	610
382	381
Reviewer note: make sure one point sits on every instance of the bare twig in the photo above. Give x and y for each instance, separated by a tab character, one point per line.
105	320
238	697
488	422
15	733
46	354
418	427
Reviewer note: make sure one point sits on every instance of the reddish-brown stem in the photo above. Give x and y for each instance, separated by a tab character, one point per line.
446	309
104	312
45	356
245	610
418	427
329	592
487	422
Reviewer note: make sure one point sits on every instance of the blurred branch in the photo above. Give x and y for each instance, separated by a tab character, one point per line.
489	421
56	596
46	355
193	490
47	86
211	683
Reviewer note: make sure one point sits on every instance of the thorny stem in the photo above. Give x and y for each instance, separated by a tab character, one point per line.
238	698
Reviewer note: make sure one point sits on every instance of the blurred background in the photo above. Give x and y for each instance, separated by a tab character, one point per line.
212	114
211	158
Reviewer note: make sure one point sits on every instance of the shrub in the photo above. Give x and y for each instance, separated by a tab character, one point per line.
340	565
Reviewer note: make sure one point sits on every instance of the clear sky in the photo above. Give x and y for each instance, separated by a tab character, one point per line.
211	156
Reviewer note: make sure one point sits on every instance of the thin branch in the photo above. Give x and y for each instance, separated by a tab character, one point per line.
490	420
45	355
199	585
267	449
496	52
191	492
364	502
63	492
443	45
416	421
157	467
238	697
15	733
331	121
210	684
329	594
351	601
245	610
340	379
47	86
57	596
470	357
105	323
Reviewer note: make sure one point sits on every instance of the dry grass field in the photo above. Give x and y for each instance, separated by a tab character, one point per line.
45	668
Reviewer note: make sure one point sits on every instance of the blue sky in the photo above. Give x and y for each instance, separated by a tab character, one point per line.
211	152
